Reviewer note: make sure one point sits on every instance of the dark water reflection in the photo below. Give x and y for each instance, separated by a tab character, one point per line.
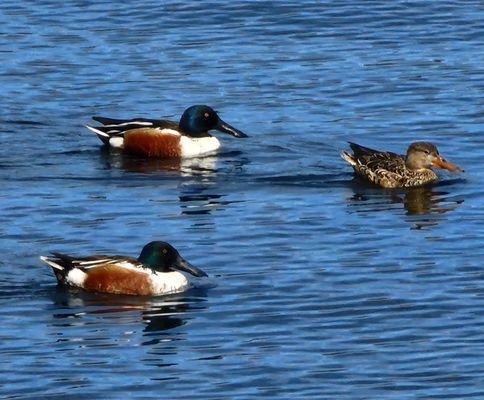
113	159
425	205
155	314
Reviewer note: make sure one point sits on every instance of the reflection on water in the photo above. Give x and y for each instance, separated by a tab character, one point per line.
201	175
155	314
198	204
424	205
420	201
108	331
197	166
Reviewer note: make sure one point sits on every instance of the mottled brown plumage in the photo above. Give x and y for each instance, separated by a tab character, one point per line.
391	170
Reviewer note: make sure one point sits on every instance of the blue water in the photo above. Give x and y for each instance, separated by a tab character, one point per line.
323	286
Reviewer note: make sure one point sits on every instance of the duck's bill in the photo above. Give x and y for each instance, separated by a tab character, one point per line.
226	128
183	265
444	164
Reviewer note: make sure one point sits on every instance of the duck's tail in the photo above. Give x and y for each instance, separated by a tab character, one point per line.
359	151
60	265
349	158
103	136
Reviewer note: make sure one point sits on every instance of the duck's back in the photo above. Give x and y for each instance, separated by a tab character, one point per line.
115	126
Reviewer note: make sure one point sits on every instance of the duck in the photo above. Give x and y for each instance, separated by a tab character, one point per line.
159	270
390	170
166	139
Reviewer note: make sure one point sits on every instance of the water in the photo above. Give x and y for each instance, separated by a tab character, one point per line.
324	287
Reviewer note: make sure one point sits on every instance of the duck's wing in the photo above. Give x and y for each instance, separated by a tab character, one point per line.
386	161
383	168
375	159
135	123
64	262
112	128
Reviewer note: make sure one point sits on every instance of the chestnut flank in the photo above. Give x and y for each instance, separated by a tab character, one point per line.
152	143
117	280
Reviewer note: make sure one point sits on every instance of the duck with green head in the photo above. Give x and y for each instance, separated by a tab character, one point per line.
158	270
189	137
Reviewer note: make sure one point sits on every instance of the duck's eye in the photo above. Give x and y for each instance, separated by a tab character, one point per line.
206	115
164	251
426	152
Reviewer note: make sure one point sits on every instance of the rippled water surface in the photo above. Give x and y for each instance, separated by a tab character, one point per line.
322	286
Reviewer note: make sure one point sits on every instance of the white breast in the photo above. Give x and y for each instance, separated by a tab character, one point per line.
117	142
194	147
76	277
169	282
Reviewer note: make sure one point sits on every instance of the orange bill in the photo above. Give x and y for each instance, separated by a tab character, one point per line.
444	164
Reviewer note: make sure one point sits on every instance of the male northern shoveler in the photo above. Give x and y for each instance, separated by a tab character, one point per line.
166	139
391	170
154	272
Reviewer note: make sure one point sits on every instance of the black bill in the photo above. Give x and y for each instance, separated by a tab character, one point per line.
183	265
226	128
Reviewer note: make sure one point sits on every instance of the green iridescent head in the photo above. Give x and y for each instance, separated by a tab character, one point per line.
197	120
163	257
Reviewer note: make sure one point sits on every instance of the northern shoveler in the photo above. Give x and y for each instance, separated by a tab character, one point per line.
154	272
166	139
391	170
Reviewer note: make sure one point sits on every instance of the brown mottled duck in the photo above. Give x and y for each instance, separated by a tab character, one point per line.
390	170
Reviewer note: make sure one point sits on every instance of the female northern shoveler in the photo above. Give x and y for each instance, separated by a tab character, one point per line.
166	139
155	271
391	170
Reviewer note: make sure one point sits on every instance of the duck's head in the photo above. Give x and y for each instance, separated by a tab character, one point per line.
426	155
163	257
196	121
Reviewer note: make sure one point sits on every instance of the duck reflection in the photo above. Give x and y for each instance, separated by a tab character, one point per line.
421	201
203	203
198	193
198	166
156	314
424	205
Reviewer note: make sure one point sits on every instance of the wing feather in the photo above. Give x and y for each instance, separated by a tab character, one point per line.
383	168
85	263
